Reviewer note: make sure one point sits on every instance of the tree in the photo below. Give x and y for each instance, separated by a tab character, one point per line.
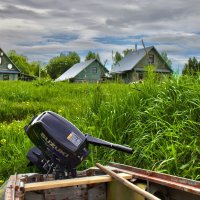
92	55
43	72
22	63
167	60
127	51
73	58
37	68
117	57
58	65
191	67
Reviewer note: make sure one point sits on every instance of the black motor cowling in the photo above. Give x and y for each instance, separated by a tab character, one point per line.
59	145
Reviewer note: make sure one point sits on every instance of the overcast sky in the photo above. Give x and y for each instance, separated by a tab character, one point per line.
43	29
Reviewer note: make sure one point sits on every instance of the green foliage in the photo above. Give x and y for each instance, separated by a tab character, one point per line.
20	101
159	120
166	59
92	55
38	69
22	63
43	73
117	57
13	148
192	67
127	51
58	65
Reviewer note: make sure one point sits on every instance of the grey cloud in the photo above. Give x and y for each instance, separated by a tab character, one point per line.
158	20
11	11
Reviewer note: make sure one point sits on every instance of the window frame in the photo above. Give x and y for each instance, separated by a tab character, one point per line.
6	77
151	59
94	70
140	76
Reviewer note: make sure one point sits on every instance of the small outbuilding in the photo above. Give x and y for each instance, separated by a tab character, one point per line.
88	71
26	77
132	67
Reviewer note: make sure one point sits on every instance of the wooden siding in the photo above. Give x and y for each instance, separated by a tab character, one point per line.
129	76
5	71
11	76
92	73
134	75
158	62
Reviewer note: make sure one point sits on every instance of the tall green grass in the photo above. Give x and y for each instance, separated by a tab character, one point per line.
19	102
158	119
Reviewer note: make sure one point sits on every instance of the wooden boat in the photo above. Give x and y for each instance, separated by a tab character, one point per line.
94	184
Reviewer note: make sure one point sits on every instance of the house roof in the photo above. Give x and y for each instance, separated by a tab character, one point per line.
130	61
14	71
75	70
27	75
9	72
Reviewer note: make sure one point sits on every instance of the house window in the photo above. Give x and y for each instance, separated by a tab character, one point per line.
5	77
151	59
140	76
94	70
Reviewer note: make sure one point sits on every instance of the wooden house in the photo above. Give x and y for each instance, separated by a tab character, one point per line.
8	70
88	71
132	67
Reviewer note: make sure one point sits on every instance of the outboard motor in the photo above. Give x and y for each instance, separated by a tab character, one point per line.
59	145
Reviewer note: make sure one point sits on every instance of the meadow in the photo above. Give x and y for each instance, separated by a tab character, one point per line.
158	119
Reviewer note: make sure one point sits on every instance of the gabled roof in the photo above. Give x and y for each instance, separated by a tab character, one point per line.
76	69
10	71
132	59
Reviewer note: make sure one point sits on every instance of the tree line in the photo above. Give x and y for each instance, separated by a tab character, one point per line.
59	64
54	68
192	67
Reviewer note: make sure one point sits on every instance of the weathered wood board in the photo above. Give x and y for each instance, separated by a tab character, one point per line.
71	182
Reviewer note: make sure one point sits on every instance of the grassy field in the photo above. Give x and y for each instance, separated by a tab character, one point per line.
159	120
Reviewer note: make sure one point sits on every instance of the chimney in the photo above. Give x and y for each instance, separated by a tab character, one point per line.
135	47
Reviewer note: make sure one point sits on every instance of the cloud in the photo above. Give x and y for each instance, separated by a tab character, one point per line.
43	29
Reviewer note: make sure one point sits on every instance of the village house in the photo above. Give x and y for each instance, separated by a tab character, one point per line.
132	67
88	71
9	71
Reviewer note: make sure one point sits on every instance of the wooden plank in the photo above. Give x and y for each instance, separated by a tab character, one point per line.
127	183
71	182
69	193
